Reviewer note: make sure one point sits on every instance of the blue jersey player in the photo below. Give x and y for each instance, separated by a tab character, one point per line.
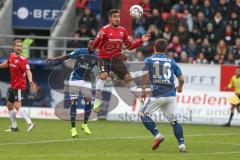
160	70
79	82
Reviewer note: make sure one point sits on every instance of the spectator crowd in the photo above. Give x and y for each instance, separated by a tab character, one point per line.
198	31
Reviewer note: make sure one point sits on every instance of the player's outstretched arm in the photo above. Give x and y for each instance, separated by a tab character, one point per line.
130	45
146	37
4	65
180	84
59	58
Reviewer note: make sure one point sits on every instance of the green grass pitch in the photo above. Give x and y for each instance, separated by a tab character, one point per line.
51	140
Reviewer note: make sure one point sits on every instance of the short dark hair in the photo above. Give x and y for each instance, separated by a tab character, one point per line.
16	41
112	11
161	45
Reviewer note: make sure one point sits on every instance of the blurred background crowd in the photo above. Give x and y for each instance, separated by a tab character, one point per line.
198	31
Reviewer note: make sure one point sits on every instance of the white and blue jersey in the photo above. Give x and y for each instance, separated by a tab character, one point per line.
83	65
161	71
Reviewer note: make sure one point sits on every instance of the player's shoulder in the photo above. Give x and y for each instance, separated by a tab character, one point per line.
11	55
106	27
148	59
122	28
22	58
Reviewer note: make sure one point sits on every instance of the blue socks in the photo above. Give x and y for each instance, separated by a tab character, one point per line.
87	111
73	110
178	132
149	124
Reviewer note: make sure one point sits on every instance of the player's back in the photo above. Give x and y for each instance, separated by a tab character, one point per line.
162	70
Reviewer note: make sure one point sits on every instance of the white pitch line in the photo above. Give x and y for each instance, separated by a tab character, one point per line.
150	154
73	139
211	134
109	138
159	154
233	144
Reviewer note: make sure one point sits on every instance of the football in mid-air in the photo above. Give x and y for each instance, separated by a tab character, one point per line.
136	11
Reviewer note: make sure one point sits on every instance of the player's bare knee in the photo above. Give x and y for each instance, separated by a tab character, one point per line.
128	78
103	76
17	105
10	106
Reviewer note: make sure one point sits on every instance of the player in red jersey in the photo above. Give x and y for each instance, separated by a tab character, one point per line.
110	40
18	69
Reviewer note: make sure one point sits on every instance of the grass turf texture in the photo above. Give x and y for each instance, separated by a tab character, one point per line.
51	140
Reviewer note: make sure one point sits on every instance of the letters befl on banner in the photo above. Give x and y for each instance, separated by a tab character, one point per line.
35	14
201	77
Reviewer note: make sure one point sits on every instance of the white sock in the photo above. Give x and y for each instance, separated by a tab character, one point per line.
25	116
159	136
12	115
100	84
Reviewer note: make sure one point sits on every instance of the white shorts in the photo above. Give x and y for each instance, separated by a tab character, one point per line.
80	87
165	104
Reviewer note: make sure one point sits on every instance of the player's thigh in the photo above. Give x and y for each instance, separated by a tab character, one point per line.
18	98
10	103
150	106
86	91
74	89
103	75
17	105
168	107
104	65
120	69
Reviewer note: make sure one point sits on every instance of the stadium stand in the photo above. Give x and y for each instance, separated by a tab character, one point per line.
188	25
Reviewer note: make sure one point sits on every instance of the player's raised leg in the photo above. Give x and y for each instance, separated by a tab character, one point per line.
104	66
149	124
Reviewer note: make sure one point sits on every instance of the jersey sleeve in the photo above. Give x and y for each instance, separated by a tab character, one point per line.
129	44
177	70
231	83
146	66
24	65
98	38
9	57
78	52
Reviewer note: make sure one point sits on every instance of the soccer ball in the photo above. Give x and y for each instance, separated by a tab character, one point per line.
136	11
